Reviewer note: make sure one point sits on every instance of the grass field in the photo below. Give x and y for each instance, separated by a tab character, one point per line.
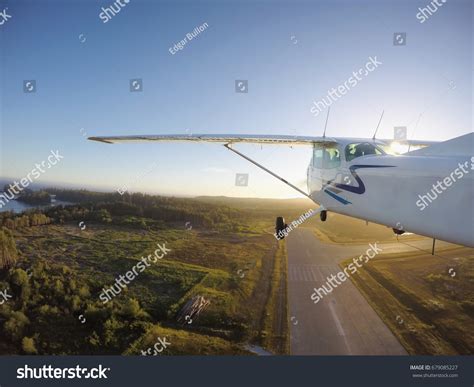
242	273
427	301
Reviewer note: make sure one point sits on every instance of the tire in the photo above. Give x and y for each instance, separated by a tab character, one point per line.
323	215
279	226
398	231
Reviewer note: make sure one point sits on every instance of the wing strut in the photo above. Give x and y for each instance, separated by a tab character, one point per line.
267	170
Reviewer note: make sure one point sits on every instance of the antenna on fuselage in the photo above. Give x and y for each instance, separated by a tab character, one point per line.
326	124
413	133
377	128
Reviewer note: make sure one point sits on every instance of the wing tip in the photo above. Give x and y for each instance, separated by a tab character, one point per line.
100	139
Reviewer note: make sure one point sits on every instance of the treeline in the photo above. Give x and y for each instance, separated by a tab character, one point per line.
13	221
27	195
34	197
8	251
158	208
135	210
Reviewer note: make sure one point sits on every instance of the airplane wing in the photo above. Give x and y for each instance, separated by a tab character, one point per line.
244	138
220	138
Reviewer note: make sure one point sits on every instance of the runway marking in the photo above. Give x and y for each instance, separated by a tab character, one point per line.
339	326
336	319
306	272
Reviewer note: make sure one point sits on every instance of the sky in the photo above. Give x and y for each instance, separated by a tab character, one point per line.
290	52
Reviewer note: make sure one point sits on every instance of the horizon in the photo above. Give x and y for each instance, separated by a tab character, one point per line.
47	186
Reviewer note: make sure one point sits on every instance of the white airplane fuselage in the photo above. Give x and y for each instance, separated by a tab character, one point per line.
431	196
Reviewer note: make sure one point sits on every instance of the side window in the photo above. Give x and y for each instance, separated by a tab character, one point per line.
332	158
326	157
318	158
360	149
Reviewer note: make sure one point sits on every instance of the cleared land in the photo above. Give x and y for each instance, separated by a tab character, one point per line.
242	273
427	301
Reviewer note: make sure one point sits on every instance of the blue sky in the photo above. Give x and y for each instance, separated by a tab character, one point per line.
290	52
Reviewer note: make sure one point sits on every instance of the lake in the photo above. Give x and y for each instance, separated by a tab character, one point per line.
17	207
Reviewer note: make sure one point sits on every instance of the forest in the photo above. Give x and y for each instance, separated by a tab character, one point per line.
55	262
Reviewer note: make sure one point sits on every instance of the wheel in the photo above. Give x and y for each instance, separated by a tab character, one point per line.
398	231
323	215
280	225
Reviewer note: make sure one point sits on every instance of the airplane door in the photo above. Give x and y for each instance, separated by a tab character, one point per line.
324	166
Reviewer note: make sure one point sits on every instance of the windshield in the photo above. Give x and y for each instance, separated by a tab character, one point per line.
361	149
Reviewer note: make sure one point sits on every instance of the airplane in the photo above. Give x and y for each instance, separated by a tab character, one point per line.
428	191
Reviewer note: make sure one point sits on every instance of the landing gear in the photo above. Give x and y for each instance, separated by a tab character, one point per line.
398	231
280	225
323	215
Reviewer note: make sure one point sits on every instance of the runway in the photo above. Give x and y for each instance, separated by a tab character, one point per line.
342	323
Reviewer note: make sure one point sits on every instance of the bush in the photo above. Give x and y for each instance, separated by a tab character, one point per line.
15	325
28	345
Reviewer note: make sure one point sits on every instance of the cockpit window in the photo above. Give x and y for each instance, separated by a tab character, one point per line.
361	149
326	156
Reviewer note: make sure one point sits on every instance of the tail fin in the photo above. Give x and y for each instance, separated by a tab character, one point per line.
459	146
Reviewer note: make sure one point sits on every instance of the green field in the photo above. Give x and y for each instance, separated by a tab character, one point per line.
61	270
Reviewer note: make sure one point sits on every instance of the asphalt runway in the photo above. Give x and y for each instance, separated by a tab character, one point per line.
342	323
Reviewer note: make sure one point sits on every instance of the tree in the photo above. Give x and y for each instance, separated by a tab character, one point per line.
131	308
103	216
8	251
19	281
